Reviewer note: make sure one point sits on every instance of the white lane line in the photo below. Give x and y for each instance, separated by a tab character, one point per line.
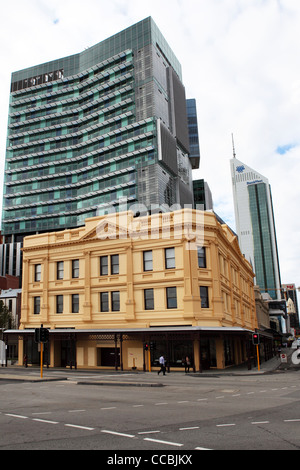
158	404
183	401
75	411
224	425
290	420
176	444
236	395
16	416
202	399
221	396
187	429
260	422
109	408
148	432
79	427
44	421
250	393
201	448
117	433
137	406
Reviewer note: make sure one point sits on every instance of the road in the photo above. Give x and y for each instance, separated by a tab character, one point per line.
187	413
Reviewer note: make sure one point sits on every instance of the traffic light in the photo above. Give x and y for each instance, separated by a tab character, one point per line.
44	335
146	346
152	345
255	338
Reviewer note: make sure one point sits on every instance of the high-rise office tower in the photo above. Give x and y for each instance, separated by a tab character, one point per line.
88	131
255	225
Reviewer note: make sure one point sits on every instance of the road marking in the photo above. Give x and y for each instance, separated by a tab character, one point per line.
44	421
260	422
75	411
148	432
158	404
16	416
117	433
79	427
224	425
236	395
290	420
137	406
109	408
221	396
202	399
176	444
201	448
186	429
183	401
250	393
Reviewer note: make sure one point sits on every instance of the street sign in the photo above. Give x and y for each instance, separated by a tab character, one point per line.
283	357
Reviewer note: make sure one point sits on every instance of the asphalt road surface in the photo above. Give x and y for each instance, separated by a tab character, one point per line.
188	413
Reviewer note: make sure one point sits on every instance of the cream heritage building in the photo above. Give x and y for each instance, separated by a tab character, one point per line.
175	281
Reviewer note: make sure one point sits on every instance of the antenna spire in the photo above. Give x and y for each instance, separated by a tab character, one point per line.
234	154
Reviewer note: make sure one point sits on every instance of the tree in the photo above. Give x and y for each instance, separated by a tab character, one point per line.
6	318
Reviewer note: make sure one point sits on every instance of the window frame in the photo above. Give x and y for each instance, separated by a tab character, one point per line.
104	301
114	267
201	253
59	304
147	261
37	273
204	296
102	266
115	303
149	299
36	305
169	258
170	298
75	303
59	270
75	269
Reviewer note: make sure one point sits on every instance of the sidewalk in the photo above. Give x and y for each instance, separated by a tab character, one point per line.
130	378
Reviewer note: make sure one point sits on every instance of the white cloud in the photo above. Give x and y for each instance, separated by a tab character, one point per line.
240	60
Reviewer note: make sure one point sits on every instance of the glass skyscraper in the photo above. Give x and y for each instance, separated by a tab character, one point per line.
255	226
90	130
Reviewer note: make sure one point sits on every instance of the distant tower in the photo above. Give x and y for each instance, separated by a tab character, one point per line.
255	225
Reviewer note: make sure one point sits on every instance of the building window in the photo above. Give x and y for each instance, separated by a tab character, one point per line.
115	301
37	272
60	270
59	304
75	303
171	297
170	258
104	306
103	265
114	261
201	257
75	268
36	305
204	297
149	299
147	261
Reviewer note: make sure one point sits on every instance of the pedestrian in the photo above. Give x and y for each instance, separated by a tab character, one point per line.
162	363
25	361
187	364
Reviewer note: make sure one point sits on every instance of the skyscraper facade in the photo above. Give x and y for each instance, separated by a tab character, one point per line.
255	225
91	130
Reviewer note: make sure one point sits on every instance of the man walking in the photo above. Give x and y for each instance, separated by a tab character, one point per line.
162	363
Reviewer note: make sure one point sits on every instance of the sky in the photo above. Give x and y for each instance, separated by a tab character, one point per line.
240	61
